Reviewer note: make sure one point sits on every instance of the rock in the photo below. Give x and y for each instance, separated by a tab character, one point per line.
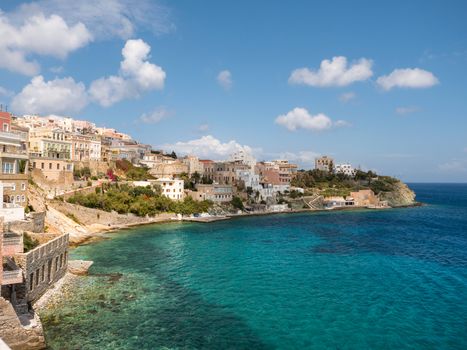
79	267
400	196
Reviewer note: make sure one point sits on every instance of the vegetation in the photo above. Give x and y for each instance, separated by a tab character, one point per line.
331	184
132	172
140	201
237	203
29	243
74	218
82	173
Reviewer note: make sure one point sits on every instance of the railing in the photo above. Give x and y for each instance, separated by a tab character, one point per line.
10	135
12	277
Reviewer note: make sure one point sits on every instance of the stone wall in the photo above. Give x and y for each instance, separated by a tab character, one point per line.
43	266
14	334
62	180
34	223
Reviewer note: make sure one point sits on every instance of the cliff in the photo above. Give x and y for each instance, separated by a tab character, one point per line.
400	195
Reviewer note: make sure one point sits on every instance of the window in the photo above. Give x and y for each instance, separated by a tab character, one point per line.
23	198
13	188
50	165
23	186
12	199
31	281
42	165
17	198
58	166
8	168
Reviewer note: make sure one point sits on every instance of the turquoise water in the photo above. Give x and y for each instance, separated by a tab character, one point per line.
394	279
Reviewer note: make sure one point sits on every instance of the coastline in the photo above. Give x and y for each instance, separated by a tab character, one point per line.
101	231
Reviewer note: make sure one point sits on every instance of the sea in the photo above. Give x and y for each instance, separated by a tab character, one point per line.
360	279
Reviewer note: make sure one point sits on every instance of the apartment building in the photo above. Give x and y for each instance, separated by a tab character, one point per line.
324	163
171	188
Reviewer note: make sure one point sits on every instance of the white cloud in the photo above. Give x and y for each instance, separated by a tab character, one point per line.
107	18
41	35
347	96
415	78
208	147
136	76
300	118
407	110
224	78
304	158
333	72
136	67
110	90
155	116
58	96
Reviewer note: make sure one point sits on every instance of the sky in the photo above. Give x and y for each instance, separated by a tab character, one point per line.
382	85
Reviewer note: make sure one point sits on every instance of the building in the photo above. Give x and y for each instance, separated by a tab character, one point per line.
214	192
324	163
243	157
345	169
208	168
173	169
171	188
225	173
194	165
14	163
50	143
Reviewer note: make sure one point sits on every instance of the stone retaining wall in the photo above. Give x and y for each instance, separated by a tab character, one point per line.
43	266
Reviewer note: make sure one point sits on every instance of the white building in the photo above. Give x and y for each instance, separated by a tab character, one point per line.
172	188
95	148
249	178
244	157
345	169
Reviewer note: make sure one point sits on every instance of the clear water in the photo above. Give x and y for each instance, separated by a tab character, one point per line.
394	279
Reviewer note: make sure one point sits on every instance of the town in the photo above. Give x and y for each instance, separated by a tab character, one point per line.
105	175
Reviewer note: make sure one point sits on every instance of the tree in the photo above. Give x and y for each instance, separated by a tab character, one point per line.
237	203
173	155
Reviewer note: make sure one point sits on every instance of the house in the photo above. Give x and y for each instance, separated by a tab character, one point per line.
171	188
345	169
324	163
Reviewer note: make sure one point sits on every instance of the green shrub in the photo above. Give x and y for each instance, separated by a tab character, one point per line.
29	243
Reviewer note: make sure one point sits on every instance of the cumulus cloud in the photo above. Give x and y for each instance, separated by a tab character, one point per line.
208	147
136	76
41	35
335	72
155	116
347	96
300	118
224	78
406	110
58	96
414	78
106	18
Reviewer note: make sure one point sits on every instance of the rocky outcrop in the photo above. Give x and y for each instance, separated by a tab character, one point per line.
79	267
400	196
24	334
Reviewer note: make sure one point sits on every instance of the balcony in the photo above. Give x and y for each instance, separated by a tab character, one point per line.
12	274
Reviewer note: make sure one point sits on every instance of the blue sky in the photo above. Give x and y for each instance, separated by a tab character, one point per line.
398	105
